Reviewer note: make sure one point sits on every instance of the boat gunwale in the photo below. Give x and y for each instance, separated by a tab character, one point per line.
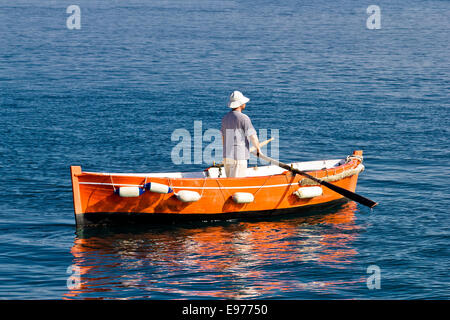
352	163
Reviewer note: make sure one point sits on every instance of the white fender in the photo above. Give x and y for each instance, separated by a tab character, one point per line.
243	197
129	192
188	196
158	187
308	192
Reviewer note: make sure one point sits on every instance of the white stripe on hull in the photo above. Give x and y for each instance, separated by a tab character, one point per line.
183	187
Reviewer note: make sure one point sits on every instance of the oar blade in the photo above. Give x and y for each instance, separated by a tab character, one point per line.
350	195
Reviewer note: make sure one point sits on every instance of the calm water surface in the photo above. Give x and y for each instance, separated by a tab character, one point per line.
108	97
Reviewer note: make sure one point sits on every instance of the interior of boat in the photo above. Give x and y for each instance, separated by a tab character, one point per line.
252	171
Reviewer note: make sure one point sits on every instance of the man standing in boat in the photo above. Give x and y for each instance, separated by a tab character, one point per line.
237	130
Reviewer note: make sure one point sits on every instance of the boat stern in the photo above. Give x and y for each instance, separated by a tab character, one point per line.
75	171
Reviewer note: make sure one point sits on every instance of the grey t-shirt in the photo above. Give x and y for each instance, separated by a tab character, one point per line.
236	127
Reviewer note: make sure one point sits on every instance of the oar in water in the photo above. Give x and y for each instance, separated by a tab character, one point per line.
346	193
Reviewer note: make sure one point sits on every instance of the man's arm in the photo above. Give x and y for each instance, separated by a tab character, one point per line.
255	143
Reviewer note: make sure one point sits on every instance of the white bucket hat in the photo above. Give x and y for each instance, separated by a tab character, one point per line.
237	99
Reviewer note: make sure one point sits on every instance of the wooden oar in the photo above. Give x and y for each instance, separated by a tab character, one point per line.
261	144
346	193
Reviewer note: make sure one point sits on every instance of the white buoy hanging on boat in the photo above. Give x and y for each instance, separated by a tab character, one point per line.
129	192
158	187
243	197
188	196
308	192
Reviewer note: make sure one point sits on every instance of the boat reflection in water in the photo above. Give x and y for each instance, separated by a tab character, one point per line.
272	258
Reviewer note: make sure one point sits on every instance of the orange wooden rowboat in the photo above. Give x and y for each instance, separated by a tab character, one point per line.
266	190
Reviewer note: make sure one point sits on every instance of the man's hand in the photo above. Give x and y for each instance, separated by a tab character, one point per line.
258	151
255	142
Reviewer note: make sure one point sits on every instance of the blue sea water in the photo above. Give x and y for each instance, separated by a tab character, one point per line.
109	95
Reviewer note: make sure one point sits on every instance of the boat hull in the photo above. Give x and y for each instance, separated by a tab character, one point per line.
120	218
96	200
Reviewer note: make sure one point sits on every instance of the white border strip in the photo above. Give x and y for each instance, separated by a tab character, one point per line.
182	187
